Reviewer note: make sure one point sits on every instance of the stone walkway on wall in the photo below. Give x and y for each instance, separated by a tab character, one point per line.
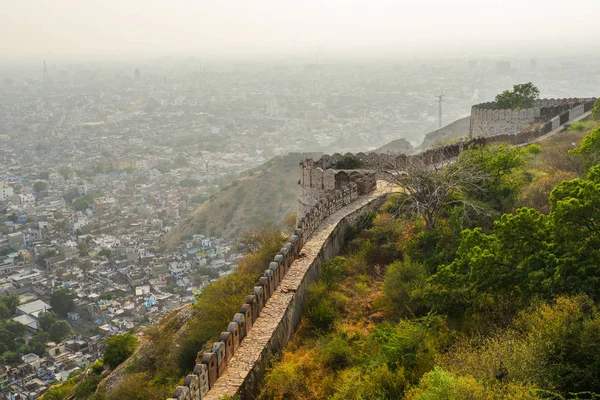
257	340
559	129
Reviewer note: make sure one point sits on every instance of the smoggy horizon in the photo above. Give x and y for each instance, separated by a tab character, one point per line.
134	29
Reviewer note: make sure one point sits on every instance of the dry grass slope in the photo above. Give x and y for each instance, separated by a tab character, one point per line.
264	194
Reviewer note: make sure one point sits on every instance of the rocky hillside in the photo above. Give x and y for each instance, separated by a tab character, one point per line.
397	146
449	133
268	193
264	194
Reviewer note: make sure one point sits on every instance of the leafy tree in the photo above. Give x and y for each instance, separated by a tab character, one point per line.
4	311
80	204
44	175
521	96
62	226
62	301
40	186
180	161
11	357
105	253
10	334
45	254
119	348
13	217
70	195
60	330
596	110
349	162
83	247
106	296
45	320
37	344
93	194
498	163
589	149
65	171
11	302
211	272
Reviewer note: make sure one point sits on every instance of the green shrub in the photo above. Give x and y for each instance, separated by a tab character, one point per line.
332	271
119	348
322	315
349	162
403	288
337	353
578	126
87	386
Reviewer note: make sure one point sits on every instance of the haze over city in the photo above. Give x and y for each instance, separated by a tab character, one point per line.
72	29
407	192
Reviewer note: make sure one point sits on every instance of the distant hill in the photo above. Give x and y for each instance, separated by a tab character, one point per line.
264	194
397	146
448	133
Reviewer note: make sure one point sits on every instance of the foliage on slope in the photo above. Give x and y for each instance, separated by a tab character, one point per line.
261	195
499	305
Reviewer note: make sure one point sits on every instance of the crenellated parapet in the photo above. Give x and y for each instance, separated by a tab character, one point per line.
328	185
212	364
319	180
487	119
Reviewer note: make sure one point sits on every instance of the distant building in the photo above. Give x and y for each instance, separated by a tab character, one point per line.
533	63
15	240
33	308
137	74
6	191
503	68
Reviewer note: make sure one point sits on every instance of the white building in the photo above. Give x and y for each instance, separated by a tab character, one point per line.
5	191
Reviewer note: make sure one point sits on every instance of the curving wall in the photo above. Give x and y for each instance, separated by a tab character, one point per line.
326	190
319	176
488	120
213	364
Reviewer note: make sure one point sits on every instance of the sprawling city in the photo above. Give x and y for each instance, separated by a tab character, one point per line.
131	189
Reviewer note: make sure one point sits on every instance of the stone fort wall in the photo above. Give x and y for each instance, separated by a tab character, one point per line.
320	176
326	190
212	364
489	120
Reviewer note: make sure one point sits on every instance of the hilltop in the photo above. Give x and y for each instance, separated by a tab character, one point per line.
448	133
261	195
269	192
451	132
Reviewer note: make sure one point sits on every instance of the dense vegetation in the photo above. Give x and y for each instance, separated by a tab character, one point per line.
13	341
498	299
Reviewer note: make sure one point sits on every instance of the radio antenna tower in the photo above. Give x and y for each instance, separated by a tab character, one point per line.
439	101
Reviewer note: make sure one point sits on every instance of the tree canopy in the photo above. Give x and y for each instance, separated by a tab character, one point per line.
119	348
62	301
40	186
520	96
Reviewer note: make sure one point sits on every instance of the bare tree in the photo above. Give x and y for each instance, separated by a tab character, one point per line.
430	189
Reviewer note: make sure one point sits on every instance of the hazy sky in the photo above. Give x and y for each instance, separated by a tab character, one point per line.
109	28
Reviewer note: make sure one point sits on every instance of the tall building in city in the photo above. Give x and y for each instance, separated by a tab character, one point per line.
5	191
137	74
